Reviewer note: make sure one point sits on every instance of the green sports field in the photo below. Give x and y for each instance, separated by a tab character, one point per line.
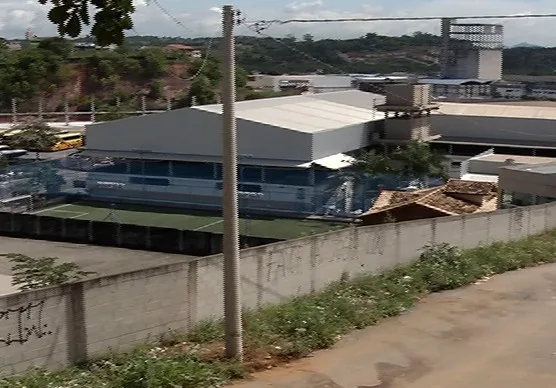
281	228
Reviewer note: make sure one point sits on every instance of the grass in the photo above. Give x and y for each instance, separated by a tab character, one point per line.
280	228
292	330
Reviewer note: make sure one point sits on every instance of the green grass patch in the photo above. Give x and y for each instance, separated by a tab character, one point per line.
271	227
299	327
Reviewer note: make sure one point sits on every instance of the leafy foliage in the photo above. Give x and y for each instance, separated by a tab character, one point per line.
419	160
33	136
300	326
414	160
34	273
111	18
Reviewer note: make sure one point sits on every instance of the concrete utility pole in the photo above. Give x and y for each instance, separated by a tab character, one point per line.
232	277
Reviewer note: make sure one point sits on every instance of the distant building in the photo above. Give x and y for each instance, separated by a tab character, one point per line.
189	50
454	198
523	185
486	166
472	50
319	83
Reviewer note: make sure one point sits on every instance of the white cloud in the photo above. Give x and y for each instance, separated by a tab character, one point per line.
16	17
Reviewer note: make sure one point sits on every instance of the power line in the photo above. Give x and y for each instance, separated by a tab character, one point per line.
380	19
338	70
208	48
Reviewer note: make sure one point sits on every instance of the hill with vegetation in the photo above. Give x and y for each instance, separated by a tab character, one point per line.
54	69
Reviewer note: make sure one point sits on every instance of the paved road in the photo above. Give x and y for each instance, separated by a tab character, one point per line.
497	334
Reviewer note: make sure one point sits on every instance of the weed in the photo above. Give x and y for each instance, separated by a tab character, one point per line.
294	329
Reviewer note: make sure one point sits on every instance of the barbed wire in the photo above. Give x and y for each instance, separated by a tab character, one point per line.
208	47
242	21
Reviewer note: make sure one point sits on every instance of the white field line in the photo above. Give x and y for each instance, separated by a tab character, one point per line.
52	208
79	215
207	225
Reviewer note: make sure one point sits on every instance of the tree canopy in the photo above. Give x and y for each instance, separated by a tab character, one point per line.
108	20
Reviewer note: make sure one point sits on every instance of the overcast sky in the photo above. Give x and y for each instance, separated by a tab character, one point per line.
201	18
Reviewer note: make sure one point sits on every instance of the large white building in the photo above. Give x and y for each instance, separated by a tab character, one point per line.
288	148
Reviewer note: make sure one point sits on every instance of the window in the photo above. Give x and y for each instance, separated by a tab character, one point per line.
249	188
250	174
242	187
287	176
157	168
194	170
136	180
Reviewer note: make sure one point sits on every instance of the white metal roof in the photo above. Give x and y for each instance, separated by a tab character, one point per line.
307	113
498	110
333	162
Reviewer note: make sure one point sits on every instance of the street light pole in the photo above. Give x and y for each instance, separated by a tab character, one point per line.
232	280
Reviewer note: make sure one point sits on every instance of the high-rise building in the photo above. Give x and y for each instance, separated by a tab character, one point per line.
471	50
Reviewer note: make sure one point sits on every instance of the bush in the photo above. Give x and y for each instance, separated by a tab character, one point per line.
302	325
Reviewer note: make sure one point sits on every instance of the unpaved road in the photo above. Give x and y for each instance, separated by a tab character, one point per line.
498	334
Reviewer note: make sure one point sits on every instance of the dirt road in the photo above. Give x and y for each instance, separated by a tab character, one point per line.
501	333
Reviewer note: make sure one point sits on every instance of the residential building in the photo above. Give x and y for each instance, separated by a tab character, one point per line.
456	197
319	83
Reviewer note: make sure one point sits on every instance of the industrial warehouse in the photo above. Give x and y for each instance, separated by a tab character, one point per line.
288	149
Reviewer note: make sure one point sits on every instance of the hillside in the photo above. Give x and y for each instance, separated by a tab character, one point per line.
53	68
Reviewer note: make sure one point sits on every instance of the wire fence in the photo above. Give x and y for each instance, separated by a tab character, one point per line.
31	185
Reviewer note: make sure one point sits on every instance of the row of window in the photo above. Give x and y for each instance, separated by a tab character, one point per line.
246	188
213	171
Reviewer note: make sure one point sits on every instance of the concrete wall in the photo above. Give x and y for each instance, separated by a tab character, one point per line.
78	321
529	182
112	234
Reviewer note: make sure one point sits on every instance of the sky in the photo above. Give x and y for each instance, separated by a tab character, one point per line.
201	18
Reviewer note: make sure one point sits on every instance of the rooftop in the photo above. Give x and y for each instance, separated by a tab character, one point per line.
498	110
308	113
518	159
454	81
545	169
454	198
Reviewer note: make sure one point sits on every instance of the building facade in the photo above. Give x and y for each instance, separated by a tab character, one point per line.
290	150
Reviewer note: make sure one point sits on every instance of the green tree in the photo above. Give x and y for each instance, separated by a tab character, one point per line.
57	46
156	90
31	273
110	19
47	177
373	163
34	136
202	90
417	160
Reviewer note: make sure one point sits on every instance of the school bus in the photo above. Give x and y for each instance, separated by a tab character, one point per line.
67	141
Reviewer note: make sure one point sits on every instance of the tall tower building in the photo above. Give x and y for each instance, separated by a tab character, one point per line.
471	50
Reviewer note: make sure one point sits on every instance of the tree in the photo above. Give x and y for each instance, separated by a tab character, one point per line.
417	161
202	90
33	136
111	18
372	163
31	273
47	177
57	46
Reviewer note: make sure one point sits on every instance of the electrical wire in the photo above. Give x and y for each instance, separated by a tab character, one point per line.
209	45
267	23
336	69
